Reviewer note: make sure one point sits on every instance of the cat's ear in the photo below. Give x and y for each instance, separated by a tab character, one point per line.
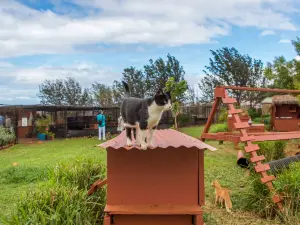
159	92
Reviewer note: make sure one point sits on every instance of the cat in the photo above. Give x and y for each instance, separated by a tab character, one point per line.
140	115
222	195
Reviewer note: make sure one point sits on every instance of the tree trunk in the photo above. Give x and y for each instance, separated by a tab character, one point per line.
176	127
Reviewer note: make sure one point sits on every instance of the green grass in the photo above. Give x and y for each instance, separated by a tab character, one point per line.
33	160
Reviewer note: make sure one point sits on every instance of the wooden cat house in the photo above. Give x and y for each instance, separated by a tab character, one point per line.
163	185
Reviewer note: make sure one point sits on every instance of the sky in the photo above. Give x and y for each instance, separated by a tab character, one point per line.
94	40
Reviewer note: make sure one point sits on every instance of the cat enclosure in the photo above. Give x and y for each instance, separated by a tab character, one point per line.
244	135
163	185
66	121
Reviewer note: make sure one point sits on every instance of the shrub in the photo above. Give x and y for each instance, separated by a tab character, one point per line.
6	136
58	205
257	197
221	127
253	113
63	198
272	150
184	119
81	173
223	115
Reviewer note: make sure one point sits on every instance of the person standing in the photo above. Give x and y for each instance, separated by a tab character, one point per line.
2	121
101	125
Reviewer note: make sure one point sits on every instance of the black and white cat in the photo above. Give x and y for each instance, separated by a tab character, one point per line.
141	115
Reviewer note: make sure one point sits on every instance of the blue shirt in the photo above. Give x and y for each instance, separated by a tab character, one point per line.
101	117
2	120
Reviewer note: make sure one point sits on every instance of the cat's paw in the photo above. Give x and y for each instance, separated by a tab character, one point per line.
144	146
151	145
129	143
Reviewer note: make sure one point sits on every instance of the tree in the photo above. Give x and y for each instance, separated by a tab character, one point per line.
144	83
177	89
136	81
229	67
63	92
159	71
102	95
284	74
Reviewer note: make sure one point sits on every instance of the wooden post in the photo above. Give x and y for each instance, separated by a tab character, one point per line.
210	117
66	122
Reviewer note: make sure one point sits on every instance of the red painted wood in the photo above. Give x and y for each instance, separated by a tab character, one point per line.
153	177
267	179
257	158
154	209
210	117
241	125
251	148
247	138
229	100
262	167
234	111
153	220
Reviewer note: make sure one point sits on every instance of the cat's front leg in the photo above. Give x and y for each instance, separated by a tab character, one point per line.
137	138
150	139
142	136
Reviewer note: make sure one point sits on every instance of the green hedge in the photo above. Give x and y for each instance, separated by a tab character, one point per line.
6	136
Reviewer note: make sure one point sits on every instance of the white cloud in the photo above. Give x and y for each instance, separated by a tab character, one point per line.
297	58
285	41
26	31
21	84
267	32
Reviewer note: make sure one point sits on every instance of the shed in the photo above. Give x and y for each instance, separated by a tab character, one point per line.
285	113
266	106
163	185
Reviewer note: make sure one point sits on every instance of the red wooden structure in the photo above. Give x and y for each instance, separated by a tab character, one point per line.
161	186
243	136
285	113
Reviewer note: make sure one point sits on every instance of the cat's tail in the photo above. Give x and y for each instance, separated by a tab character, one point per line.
228	204
126	88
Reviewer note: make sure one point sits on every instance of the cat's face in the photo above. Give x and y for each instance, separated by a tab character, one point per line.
163	99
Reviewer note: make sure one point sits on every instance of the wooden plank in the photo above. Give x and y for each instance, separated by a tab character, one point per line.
211	117
257	158
267	179
263	167
107	220
247	138
201	188
153	209
251	148
234	111
229	100
274	137
276	198
241	125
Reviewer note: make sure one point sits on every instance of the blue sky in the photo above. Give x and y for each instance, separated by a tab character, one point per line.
94	40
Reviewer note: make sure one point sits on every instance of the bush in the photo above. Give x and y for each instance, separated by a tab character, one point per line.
257	197
184	119
58	205
272	150
63	198
6	136
221	127
223	115
253	113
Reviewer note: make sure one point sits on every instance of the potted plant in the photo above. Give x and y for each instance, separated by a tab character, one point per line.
42	126
50	135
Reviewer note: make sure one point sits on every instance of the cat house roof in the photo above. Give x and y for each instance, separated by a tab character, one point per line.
161	139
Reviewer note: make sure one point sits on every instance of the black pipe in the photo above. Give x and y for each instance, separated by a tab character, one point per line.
277	165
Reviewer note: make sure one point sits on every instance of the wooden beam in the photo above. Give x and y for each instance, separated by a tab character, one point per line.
261	89
211	117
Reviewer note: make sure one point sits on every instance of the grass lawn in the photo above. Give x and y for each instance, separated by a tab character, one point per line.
34	159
